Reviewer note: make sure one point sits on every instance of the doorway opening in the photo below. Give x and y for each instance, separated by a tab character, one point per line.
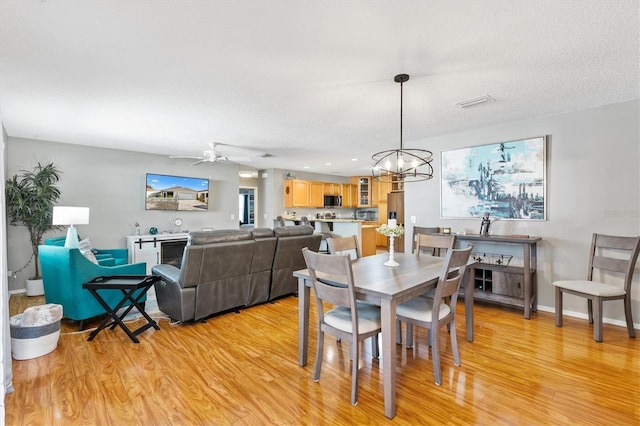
247	207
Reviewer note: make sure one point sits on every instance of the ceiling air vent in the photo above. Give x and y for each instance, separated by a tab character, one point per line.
475	101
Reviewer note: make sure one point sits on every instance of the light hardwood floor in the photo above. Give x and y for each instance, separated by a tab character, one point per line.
242	369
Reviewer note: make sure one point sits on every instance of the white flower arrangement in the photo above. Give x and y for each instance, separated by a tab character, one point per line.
391	231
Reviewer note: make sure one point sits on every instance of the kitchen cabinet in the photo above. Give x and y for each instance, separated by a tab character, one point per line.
332	188
368	246
349	195
364	190
316	194
296	193
383	188
383	211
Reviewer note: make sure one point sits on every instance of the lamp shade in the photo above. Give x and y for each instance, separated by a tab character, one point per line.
65	215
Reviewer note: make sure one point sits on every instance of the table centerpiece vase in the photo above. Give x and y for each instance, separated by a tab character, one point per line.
391	231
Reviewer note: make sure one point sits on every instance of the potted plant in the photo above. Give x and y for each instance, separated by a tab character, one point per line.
30	200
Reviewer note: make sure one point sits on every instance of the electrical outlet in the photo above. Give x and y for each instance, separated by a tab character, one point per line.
233	216
413	219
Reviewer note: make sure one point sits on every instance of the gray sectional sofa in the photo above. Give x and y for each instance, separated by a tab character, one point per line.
223	270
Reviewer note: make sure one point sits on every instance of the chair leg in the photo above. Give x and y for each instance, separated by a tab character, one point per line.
597	318
354	373
408	338
628	316
558	307
454	343
398	332
590	310
375	348
435	353
320	348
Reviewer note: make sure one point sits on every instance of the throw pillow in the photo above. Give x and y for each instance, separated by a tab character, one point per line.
85	249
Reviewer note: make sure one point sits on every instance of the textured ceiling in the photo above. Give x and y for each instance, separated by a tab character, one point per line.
309	82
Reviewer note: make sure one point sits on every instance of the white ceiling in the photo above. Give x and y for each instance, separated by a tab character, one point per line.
310	82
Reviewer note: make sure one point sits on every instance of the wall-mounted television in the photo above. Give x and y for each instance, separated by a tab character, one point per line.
176	193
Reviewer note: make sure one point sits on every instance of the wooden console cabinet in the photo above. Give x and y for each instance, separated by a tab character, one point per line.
506	285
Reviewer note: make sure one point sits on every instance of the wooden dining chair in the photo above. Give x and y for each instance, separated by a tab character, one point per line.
435	313
344	245
421	230
596	291
434	245
345	318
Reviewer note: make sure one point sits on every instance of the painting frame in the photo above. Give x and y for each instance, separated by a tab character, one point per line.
507	179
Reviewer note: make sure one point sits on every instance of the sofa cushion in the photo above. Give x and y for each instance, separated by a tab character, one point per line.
218	236
293	230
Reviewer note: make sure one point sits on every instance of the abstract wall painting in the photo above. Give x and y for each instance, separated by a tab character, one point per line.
506	180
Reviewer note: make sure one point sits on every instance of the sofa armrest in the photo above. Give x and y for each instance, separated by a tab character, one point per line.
167	272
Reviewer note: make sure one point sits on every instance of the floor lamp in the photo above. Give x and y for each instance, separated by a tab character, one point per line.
65	215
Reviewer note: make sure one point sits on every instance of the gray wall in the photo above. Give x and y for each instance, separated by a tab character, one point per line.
593	185
112	183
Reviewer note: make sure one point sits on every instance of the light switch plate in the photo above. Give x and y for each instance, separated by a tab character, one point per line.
413	219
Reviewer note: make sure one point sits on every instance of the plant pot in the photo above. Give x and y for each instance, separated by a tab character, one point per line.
35	287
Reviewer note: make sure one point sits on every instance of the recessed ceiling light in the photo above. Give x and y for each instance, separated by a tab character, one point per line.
354	159
305	167
246	175
327	164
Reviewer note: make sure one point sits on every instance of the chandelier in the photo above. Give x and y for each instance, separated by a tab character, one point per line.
398	166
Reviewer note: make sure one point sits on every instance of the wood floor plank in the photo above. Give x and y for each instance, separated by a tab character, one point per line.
241	369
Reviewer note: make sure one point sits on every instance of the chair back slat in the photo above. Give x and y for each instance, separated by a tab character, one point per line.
610	264
435	245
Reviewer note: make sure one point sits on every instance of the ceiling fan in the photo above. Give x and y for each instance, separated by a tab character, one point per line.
215	154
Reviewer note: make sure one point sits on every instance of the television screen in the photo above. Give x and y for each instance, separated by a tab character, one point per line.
176	193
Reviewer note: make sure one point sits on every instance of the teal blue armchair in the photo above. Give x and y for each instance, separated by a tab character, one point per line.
64	270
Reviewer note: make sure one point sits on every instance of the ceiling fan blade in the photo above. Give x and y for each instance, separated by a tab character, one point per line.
201	161
190	157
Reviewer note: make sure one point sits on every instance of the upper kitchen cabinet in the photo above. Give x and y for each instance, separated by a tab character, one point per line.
316	194
349	195
332	188
296	193
364	191
382	188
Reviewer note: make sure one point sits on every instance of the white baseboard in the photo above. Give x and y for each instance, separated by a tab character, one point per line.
584	316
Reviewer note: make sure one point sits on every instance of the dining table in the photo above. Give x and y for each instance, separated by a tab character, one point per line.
385	286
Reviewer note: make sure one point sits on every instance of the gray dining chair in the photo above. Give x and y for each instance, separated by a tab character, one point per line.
421	230
344	245
345	318
432	245
435	313
594	289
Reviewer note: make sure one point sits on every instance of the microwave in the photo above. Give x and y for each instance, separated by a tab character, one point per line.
332	201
